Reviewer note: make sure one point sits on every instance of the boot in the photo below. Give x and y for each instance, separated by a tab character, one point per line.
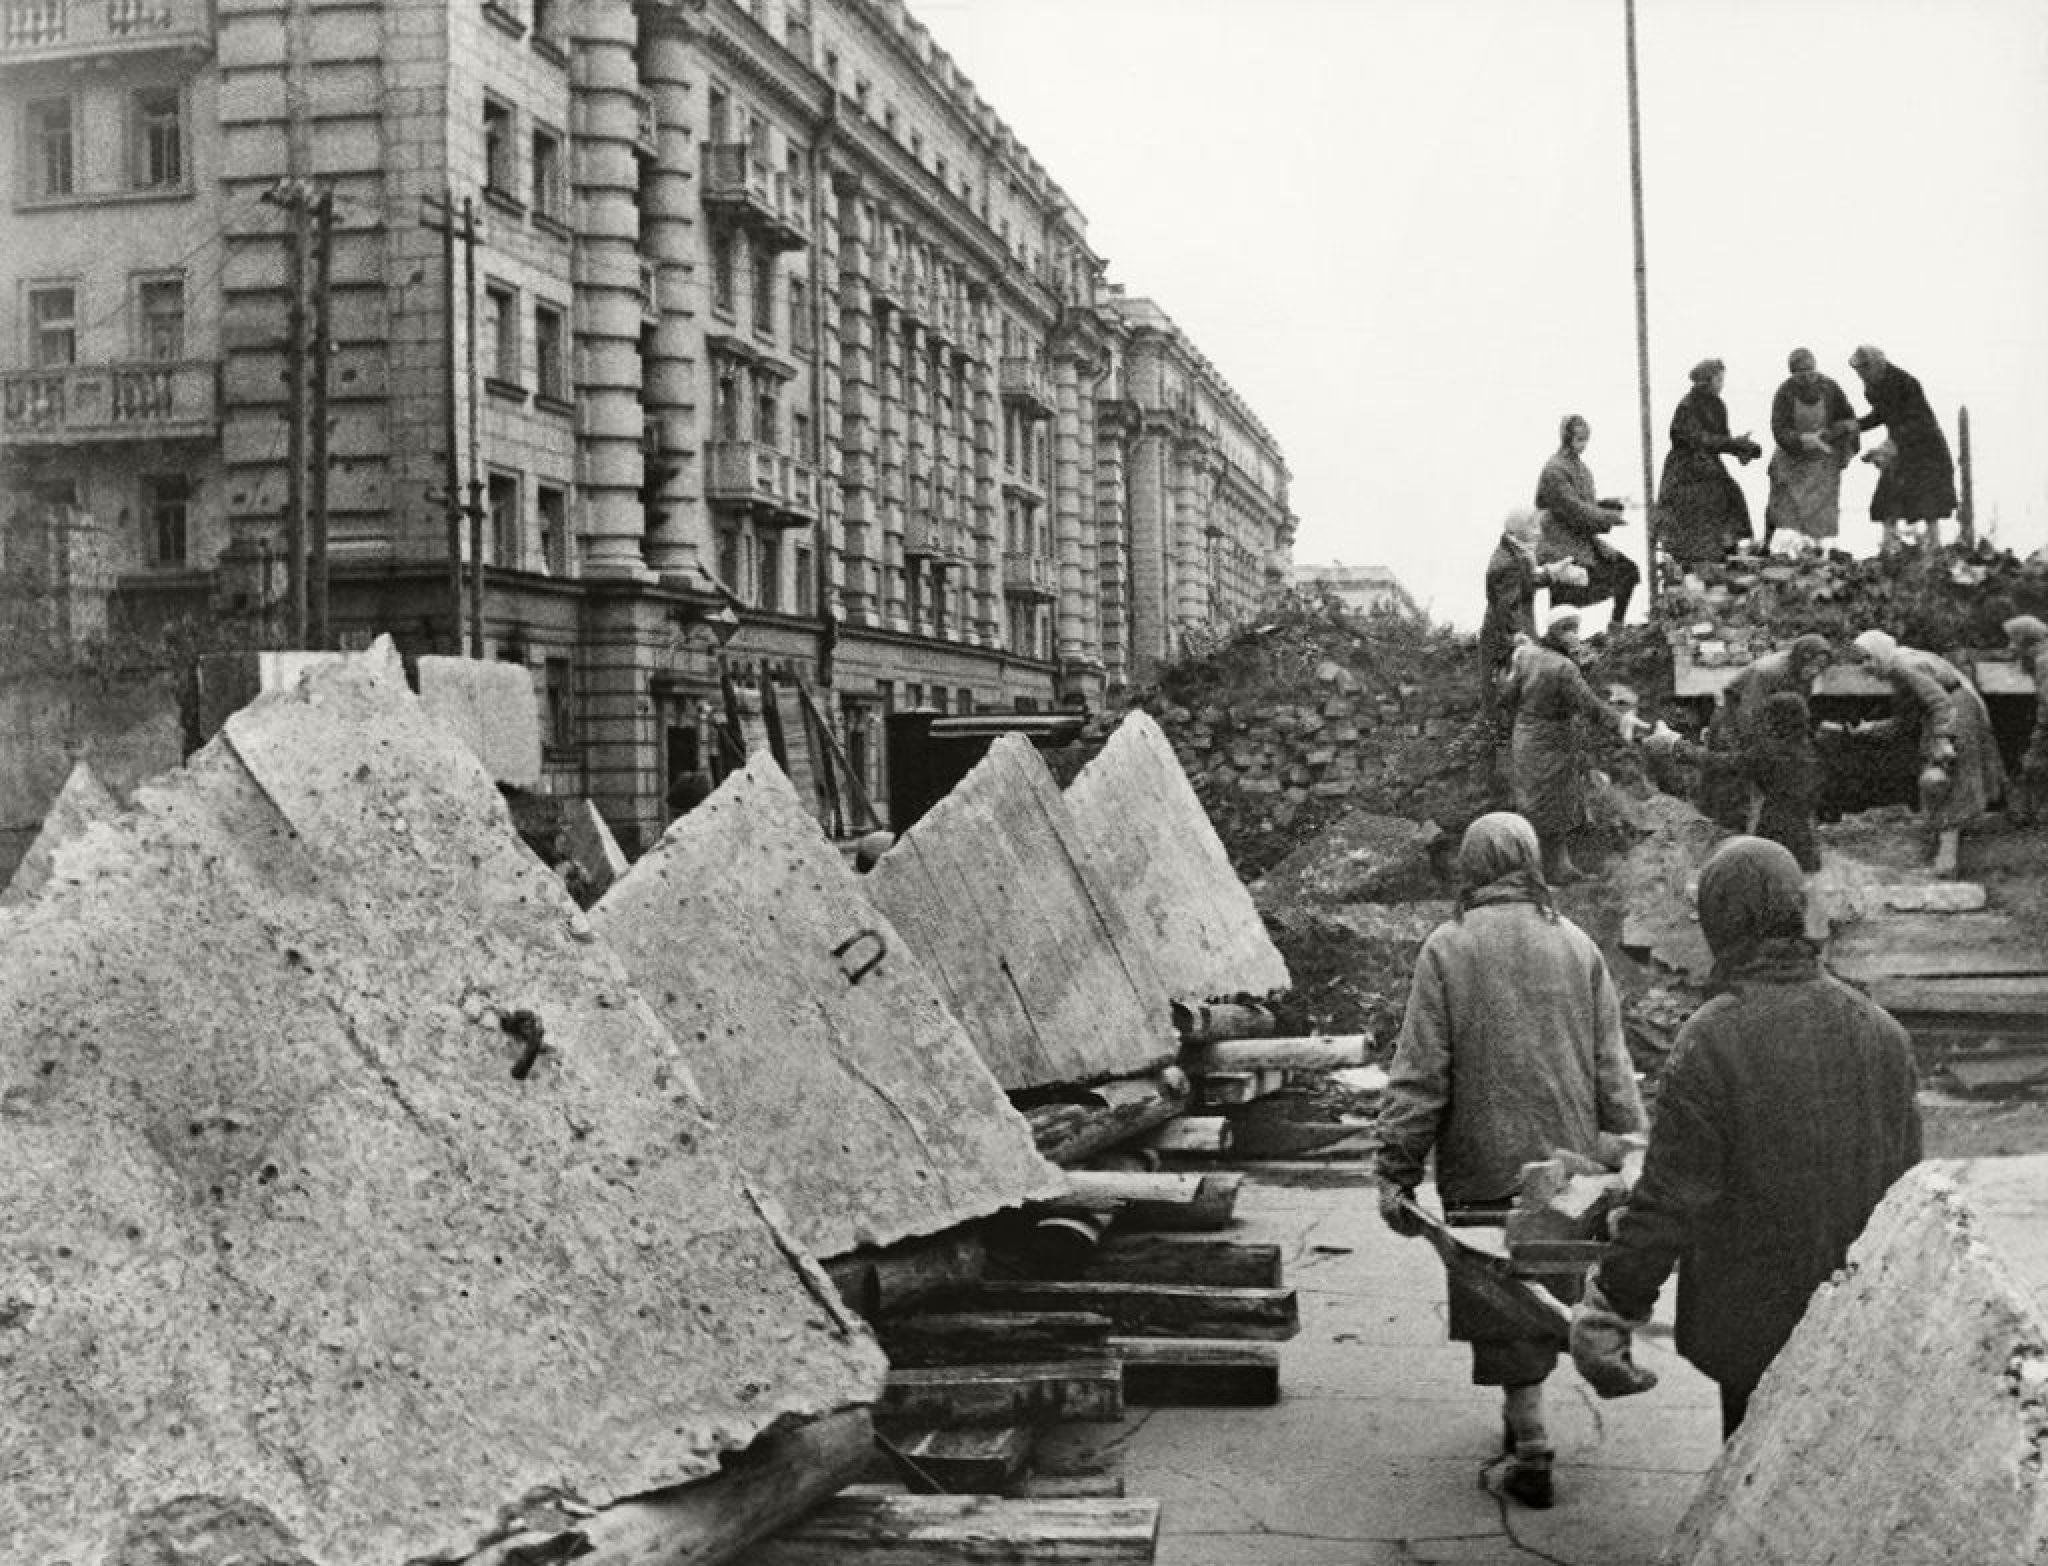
1528	1477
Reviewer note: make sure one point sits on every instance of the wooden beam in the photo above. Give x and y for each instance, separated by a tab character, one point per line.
766	1487
1315	1052
1005	1394
1231	1089
1160	1310
1085	1122
1158	1258
942	1460
1191	1372
878	1282
991	1337
1202	1135
947	1530
1204	1022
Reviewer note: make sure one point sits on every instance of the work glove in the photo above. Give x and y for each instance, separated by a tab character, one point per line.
1394	1213
1601	1347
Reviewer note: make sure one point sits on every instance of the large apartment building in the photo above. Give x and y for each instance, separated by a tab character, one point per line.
659	340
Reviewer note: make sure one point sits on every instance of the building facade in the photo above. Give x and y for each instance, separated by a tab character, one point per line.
1366	589
644	344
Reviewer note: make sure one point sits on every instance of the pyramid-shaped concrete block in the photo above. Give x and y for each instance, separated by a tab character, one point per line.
82	802
993	890
821	1043
492	708
1907	1419
1149	839
355	1196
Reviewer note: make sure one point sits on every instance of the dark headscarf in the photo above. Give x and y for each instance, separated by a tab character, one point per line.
1812	648
1752	905
1500	861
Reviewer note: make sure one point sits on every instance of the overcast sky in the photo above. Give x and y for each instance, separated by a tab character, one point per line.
1401	228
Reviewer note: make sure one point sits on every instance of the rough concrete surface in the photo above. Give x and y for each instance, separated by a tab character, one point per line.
821	1043
129	729
1149	840
993	889
82	801
592	845
491	708
293	1251
1907	1419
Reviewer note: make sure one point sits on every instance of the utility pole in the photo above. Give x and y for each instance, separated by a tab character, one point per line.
293	198
1966	509
1635	190
476	483
442	216
318	629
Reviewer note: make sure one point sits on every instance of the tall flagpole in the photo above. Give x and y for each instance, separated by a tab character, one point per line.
1635	191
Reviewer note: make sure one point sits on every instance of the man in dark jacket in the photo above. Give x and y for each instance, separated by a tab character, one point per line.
1511	1050
1785	1114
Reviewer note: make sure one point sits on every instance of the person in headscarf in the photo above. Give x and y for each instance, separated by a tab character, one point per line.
1784	768
1701	513
1576	522
1546	691
1511	1050
2028	638
1814	433
1512	578
1961	773
1736	729
1786	1112
1918	482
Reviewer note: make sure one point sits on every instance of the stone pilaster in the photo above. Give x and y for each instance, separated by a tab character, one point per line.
670	226
607	178
1151	535
890	380
1112	541
1190	540
858	430
1070	627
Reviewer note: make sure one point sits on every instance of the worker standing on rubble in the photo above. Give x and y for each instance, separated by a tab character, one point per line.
1546	691
1918	482
2028	638
1511	1050
1785	1114
1512	577
1701	513
1576	521
1737	727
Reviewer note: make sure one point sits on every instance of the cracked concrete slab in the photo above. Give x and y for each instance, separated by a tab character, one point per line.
492	708
1151	842
1907	1417
82	802
993	889
821	1042
355	1196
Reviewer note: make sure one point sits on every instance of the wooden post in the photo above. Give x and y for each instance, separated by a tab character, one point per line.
295	427
1966	507
476	482
319	632
1635	193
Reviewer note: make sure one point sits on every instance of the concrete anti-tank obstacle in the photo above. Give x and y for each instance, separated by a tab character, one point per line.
994	890
822	1044
1906	1421
304	1264
1148	838
80	803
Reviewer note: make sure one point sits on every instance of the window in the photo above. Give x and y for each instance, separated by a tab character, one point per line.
729	560
964	704
764	292
548	199
806	584
547	24
160	318
561	702
719	118
770	556
550	353
800	437
53	327
722	269
500	333
767	419
498	175
166	508
503	500
551	509
156	147
51	169
799	314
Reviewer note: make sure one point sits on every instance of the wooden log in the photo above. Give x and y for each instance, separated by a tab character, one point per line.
1214	1207
1157	1258
1084	1123
1315	1052
948	1530
766	1487
1204	1135
1015	1394
1154	1200
1191	1372
1159	1310
1204	1022
891	1279
942	1460
992	1337
1230	1089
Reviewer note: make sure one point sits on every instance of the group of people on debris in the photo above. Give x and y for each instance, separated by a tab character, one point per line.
1701	514
1785	1113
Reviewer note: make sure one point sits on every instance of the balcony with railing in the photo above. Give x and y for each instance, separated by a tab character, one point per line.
738	185
1030	576
1026	382
937	539
775	486
33	31
90	404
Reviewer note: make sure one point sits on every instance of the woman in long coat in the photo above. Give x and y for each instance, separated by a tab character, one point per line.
1576	521
1785	1114
1701	512
1511	1049
1813	436
1918	483
1546	692
1962	775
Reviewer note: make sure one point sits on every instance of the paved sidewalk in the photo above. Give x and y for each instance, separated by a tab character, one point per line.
1381	1452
